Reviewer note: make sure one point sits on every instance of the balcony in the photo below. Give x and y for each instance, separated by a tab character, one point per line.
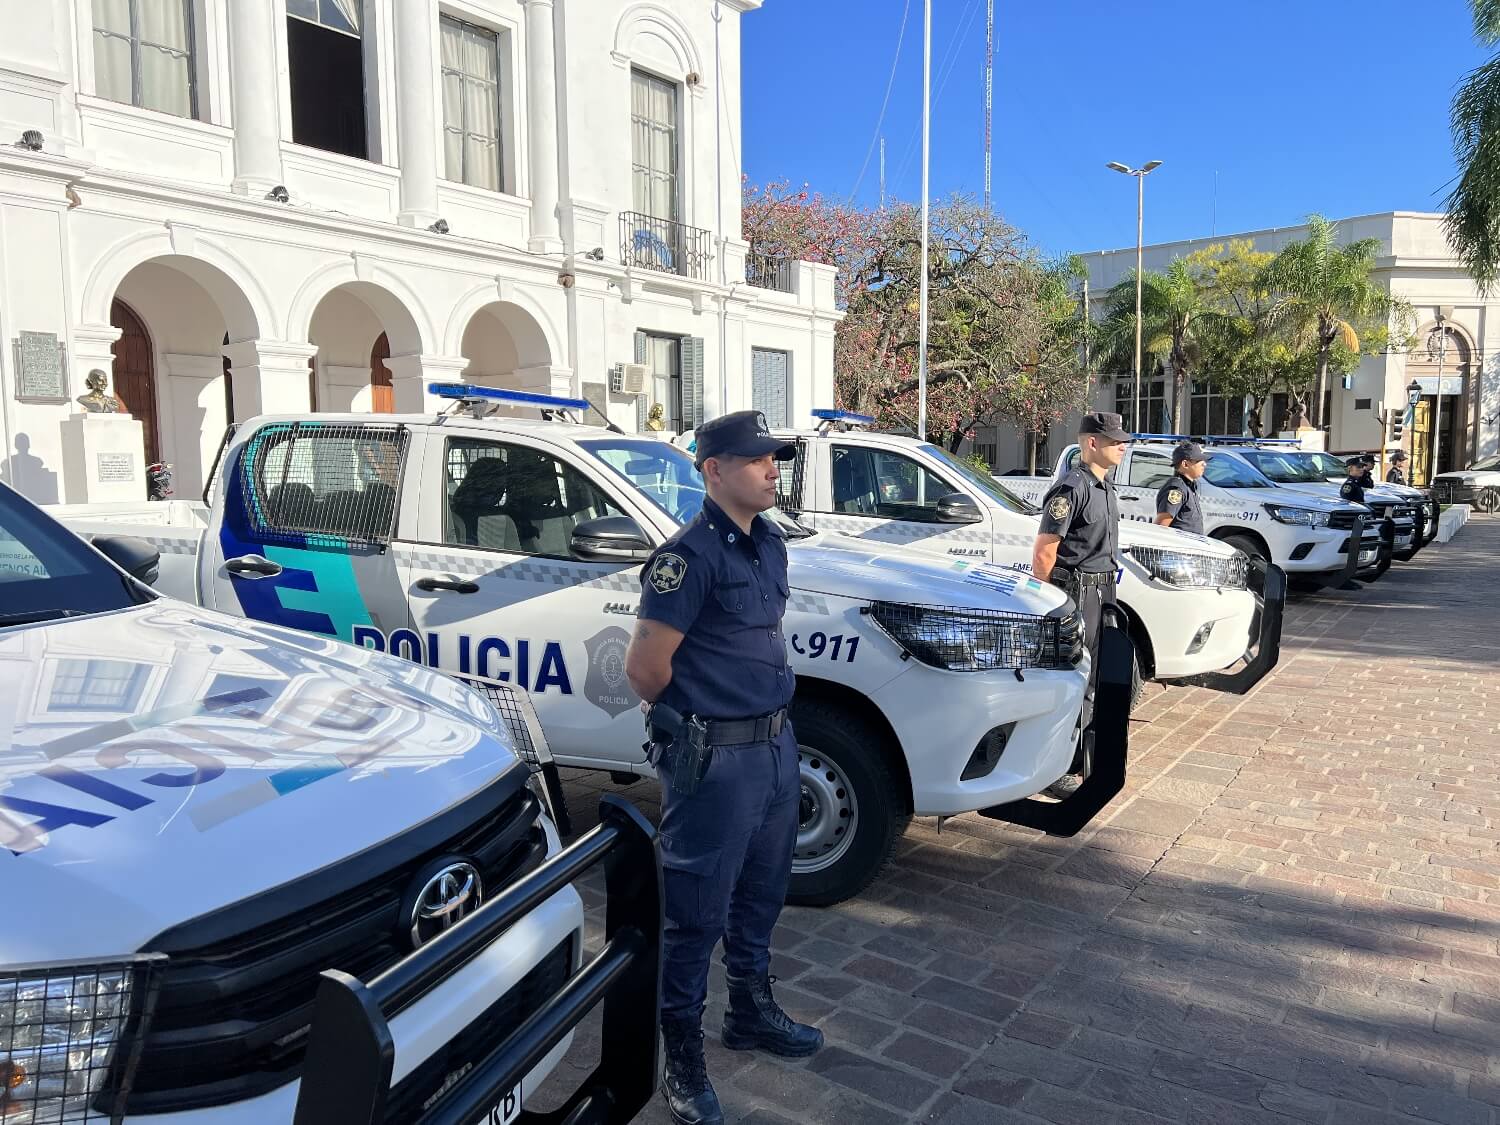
766	272
647	242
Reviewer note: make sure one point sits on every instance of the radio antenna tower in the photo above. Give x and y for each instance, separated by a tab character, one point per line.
989	95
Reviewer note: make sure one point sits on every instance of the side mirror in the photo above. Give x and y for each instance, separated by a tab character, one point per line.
135	557
958	508
610	539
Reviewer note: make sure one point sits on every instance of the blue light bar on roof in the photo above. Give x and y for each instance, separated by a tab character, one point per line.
1157	437
845	416
512	398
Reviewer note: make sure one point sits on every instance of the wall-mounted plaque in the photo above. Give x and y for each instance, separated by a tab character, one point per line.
115	468
40	371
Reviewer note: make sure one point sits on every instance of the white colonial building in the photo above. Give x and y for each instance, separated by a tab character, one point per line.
243	206
1413	261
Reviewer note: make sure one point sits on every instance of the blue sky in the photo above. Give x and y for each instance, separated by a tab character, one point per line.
1337	106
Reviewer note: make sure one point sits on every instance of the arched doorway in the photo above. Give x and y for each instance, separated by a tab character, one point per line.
135	374
357	327
1441	419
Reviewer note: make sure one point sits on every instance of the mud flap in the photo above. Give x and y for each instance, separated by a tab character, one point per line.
1108	736
1418	534
1384	554
1271	606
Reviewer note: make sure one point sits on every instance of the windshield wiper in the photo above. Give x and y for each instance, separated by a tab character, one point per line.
37	615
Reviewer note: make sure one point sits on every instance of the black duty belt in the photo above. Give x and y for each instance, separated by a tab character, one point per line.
666	724
1084	578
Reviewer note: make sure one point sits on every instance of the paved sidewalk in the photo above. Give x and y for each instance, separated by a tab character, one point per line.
1291	916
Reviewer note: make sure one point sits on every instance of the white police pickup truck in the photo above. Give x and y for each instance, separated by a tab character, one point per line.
1307	536
1478	485
512	547
1186	598
206	823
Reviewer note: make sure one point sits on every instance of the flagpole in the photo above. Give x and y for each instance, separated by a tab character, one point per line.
926	153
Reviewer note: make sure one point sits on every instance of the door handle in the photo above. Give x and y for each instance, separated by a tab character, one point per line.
252	566
456	585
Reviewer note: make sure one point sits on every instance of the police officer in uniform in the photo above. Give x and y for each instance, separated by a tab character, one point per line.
1367	478
1078	542
709	658
1396	474
1177	503
1353	488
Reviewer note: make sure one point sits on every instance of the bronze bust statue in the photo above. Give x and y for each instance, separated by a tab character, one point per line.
657	419
97	401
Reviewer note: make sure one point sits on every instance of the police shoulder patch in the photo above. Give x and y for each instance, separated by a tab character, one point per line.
667	572
1059	507
1174	496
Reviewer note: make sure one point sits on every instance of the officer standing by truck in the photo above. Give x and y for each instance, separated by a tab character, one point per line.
709	658
1396	474
1077	545
1177	502
1353	488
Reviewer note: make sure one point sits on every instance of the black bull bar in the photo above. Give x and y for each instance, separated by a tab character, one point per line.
346	1077
1267	582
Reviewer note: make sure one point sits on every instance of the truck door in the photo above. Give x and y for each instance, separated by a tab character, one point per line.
884	496
493	589
300	532
1143	471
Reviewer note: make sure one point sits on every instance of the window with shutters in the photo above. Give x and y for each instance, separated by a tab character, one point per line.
769	370
143	54
472	148
664	357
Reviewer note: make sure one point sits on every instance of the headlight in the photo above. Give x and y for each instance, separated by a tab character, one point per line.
979	640
1304	517
60	1029
1185	568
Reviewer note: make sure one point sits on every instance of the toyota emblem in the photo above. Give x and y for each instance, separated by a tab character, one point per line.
447	897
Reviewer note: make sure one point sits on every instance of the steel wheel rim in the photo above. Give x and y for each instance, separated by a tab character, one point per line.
827	814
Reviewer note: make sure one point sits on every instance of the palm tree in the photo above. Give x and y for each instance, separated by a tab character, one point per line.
1174	308
1473	220
1325	296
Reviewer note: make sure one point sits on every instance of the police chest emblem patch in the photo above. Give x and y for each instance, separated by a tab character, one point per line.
1174	496
667	573
1058	507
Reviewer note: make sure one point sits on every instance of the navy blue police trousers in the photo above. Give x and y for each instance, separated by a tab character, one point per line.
726	859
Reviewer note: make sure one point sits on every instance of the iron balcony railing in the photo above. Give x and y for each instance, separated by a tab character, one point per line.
767	272
647	242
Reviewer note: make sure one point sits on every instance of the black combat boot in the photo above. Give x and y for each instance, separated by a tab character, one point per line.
754	1019
684	1082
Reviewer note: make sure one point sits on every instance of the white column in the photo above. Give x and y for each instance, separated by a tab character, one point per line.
417	127
254	87
269	377
542	124
544	379
410	375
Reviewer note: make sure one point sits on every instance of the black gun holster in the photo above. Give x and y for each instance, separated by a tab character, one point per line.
684	749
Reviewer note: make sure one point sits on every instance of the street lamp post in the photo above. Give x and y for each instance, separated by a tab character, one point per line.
1140	175
1441	340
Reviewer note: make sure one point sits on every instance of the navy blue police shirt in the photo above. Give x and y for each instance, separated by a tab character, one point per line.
726	592
1353	489
1083	510
1178	498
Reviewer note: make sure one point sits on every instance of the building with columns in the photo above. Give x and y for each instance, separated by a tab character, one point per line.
237	207
1454	323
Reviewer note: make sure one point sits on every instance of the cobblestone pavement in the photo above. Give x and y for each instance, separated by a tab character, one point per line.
1290	916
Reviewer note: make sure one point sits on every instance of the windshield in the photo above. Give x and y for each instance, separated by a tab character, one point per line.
1486	464
47	572
1285	467
668	478
1230	472
982	481
1326	465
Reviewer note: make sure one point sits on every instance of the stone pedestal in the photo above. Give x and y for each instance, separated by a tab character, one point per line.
1313	440
104	459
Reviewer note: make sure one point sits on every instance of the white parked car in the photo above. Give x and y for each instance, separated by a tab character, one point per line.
1478	485
512	548
204	817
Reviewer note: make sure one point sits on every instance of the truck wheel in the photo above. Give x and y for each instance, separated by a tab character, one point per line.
851	812
1488	500
1250	546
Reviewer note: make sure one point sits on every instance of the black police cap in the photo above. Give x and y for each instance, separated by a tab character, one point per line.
1104	424
741	434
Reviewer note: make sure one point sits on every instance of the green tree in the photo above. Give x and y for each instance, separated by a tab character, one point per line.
1326	297
1473	219
1240	350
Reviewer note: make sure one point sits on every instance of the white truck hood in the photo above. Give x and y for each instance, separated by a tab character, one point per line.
1134	533
164	761
1379	492
1472	476
829	563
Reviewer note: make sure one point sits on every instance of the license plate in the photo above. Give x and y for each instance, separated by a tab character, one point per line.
1404	541
506	1110
1368	556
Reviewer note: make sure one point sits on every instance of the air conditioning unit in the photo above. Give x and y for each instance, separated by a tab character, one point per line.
629	379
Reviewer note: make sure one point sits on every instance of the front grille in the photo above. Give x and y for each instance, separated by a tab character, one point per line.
1446	491
1342	521
1184	568
237	992
425	1086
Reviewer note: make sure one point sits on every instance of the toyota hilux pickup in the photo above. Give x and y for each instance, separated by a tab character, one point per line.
1308	536
1188	601
476	540
218	834
1478	485
1332	469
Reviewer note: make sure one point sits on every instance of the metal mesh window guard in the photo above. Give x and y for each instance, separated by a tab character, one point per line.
789	493
519	715
980	640
323	483
1182	568
69	1038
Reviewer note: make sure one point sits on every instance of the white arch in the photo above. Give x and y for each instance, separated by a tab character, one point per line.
528	322
400	311
663	23
245	305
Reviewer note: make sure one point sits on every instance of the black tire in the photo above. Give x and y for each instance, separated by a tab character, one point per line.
1487	500
832	741
1247	544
